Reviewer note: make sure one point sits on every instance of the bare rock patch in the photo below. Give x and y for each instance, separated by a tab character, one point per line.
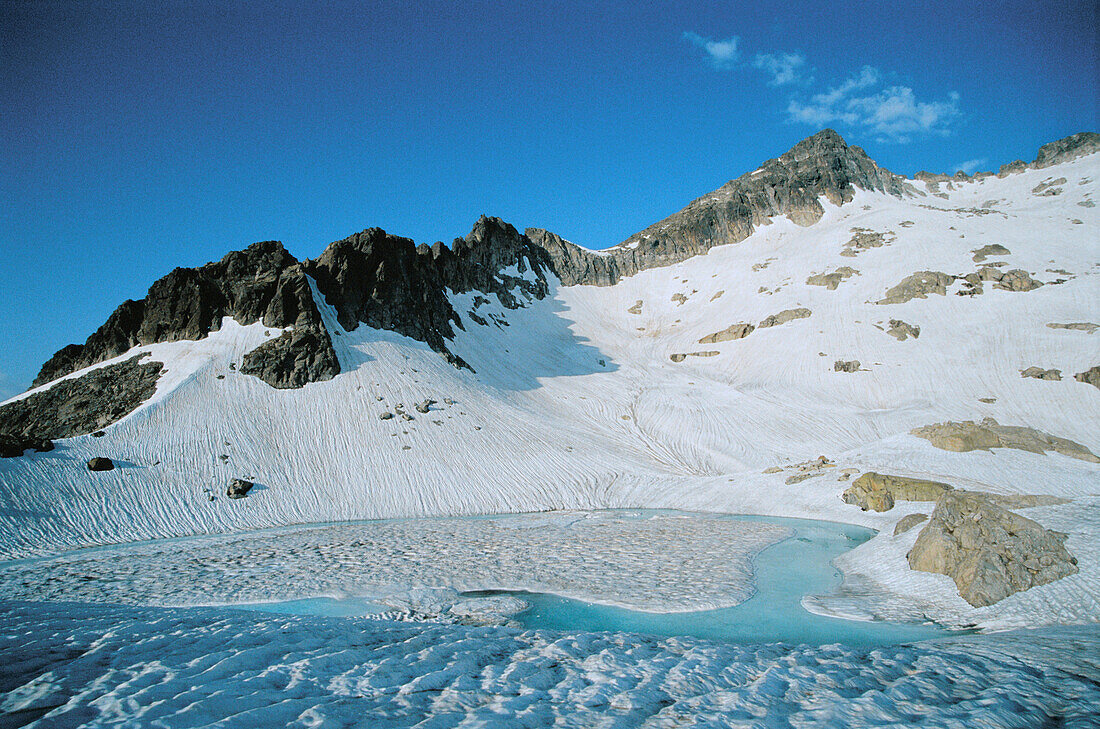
967	435
918	286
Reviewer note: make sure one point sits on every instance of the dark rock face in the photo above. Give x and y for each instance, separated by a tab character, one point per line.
790	185
294	359
13	446
101	464
238	488
260	283
84	404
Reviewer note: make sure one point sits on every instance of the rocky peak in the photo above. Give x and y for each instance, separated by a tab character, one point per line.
792	185
1067	149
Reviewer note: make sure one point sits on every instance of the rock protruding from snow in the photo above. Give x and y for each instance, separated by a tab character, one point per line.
901	331
1039	373
908	522
1090	376
13	446
101	463
969	436
823	165
730	333
832	280
681	356
783	317
846	366
82	405
993	249
918	286
238	488
1081	326
989	551
878	492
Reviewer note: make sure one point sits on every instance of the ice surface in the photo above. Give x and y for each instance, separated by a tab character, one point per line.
68	664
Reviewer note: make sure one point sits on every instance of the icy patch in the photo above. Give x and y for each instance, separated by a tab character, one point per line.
113	665
663	563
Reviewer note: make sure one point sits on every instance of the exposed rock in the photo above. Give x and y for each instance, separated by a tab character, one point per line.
238	488
680	299
902	331
294	359
831	280
1067	149
783	317
918	286
1049	188
386	416
101	464
790	185
842	366
993	249
773	469
1090	376
681	356
734	331
968	436
637	308
989	551
987	400
908	522
864	239
878	492
14	446
1017	280
1038	373
1081	326
424	405
81	405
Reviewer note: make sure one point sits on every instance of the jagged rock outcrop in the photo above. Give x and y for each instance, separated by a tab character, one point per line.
969	436
82	405
783	317
1053	153
846	366
989	551
791	185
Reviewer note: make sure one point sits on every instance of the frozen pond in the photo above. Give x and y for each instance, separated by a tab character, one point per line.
797	566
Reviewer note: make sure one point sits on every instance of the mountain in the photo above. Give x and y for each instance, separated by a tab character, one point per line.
819	306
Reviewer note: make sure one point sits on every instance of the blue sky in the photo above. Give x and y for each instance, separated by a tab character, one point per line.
136	137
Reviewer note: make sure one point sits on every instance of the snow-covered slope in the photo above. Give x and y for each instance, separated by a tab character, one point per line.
574	402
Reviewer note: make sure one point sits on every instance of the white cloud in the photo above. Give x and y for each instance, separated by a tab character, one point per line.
785	68
894	113
970	166
722	53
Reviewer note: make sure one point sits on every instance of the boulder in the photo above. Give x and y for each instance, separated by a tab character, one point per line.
878	491
386	416
424	405
238	488
842	366
832	280
101	463
989	551
908	522
1017	280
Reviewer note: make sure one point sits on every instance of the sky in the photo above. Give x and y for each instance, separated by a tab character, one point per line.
137	137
